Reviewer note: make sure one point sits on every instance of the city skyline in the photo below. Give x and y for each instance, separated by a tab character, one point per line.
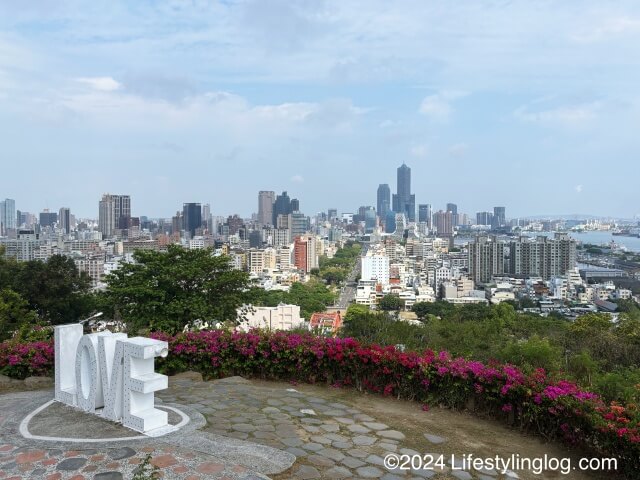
198	103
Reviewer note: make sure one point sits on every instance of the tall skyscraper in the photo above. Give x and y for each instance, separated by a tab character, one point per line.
64	219
7	215
384	200
282	206
295	205
122	204
191	217
453	208
332	214
206	216
404	201
114	212
425	214
499	217
266	198
107	216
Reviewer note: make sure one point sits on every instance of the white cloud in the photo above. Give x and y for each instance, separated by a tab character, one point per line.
439	106
297	179
608	28
107	104
568	115
418	151
103	84
578	188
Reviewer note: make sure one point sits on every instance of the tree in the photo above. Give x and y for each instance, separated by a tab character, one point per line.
333	275
166	291
421	309
354	310
390	303
14	312
55	289
535	352
628	329
591	324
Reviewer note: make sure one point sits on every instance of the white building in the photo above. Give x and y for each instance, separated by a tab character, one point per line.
375	267
282	317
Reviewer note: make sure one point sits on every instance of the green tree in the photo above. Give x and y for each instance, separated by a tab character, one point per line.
390	303
166	291
534	352
14	313
55	289
583	367
628	329
422	310
333	275
354	310
591	324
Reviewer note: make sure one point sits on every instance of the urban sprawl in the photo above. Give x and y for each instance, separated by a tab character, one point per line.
434	255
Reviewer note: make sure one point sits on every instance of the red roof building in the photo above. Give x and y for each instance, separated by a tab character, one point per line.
328	322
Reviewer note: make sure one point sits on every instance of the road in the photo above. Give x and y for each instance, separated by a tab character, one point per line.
348	290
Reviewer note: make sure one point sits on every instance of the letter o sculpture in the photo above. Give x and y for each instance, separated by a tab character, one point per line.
87	380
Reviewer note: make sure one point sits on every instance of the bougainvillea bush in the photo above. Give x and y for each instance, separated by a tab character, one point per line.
22	360
535	402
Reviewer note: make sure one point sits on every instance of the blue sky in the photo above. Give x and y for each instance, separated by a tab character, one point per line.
530	104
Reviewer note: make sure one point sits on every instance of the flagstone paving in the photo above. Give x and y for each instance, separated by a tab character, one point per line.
238	425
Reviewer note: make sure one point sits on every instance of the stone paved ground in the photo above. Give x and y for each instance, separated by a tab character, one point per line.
333	434
341	434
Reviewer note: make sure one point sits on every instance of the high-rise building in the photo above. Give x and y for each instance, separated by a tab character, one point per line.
207	221
122	211
7	215
390	222
114	212
499	217
282	206
64	219
369	219
295	205
404	201
266	198
235	224
486	259
107	216
543	257
48	219
332	214
191	217
453	208
484	218
425	214
375	267
384	200
298	224
444	223
304	253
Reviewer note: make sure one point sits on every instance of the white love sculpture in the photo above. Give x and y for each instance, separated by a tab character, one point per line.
111	372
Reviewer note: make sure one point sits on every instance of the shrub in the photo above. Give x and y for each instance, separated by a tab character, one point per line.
535	402
22	360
